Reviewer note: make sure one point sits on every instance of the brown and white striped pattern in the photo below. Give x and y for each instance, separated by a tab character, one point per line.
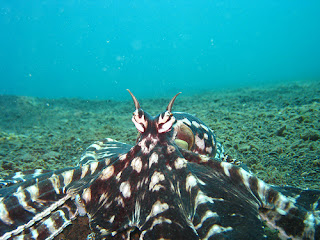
46	200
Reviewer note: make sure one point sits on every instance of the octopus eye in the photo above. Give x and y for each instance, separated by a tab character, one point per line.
139	120
168	114
165	122
184	137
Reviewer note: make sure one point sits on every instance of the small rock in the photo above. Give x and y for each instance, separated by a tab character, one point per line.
310	135
244	148
27	157
312	146
7	165
316	162
299	119
280	131
51	155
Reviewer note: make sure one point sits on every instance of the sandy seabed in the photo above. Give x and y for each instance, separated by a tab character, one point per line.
274	129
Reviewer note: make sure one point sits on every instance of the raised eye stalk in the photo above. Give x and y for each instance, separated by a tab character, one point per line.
172	101
136	103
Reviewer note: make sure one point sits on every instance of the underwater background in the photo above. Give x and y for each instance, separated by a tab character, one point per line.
97	49
250	70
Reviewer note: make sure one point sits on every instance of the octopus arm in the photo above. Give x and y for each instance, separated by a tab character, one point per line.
41	207
293	212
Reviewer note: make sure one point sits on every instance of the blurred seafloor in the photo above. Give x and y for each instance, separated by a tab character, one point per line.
275	130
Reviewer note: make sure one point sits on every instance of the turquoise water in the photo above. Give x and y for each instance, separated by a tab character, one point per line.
97	49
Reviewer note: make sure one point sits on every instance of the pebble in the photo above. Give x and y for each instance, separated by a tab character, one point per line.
51	155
